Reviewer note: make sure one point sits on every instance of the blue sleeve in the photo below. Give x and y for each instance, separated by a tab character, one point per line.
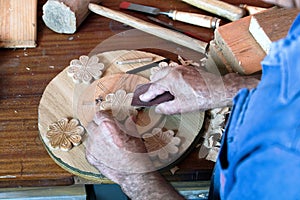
273	173
260	153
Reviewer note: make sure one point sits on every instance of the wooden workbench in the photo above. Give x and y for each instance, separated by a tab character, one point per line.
24	75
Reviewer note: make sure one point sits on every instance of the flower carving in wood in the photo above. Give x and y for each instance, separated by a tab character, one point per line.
65	134
85	69
161	66
120	104
161	144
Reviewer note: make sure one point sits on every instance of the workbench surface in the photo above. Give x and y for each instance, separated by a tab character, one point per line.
24	75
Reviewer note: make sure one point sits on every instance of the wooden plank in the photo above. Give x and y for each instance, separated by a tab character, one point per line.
23	159
239	48
216	62
271	25
18	23
75	192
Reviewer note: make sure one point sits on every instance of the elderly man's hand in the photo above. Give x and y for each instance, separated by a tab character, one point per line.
113	152
194	89
123	159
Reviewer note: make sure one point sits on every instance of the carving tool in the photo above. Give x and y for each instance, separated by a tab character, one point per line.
150	28
251	10
203	37
219	8
145	67
134	61
191	18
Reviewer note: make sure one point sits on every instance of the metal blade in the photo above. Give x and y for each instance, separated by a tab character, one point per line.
140	8
145	67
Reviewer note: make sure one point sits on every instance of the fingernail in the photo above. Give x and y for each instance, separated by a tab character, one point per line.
158	110
143	97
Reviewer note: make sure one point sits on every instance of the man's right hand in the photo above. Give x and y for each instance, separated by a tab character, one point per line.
194	89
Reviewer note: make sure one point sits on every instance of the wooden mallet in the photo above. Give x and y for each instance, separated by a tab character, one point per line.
64	16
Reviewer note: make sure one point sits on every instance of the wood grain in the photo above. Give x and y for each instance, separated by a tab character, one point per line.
220	8
63	98
25	74
271	25
18	23
57	102
216	61
74	192
239	48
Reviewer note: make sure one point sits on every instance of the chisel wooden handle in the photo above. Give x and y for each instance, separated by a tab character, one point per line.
150	28
219	8
195	19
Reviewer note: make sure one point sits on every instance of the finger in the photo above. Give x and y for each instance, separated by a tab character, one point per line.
103	128
160	74
130	125
91	127
168	108
102	116
178	105
153	91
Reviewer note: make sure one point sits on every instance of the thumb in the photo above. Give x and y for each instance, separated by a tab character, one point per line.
168	108
101	116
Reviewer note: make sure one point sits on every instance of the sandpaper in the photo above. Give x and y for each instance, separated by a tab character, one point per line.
141	89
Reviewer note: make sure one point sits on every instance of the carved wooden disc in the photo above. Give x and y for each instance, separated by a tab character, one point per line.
87	105
63	98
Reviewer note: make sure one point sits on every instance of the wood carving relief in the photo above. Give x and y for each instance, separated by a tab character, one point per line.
120	104
65	134
161	144
85	69
58	101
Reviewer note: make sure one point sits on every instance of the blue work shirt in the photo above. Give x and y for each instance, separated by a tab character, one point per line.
260	152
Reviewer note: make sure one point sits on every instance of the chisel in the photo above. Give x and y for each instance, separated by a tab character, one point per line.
200	36
219	8
191	18
150	28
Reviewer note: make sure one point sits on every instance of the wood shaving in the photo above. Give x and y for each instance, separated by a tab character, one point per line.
188	62
181	61
161	66
214	129
174	170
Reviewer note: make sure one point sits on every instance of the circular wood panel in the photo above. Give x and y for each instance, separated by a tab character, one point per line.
63	98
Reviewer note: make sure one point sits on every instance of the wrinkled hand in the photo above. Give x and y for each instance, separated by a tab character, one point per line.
285	3
114	153
122	158
194	89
